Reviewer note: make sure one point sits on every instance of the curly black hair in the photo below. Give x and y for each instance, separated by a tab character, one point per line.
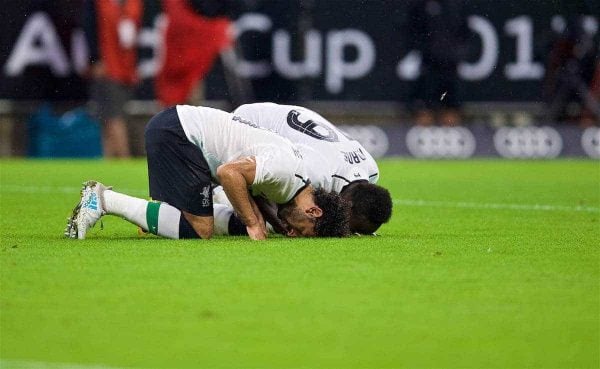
336	214
371	206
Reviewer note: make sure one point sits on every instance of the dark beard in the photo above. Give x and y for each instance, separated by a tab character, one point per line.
284	211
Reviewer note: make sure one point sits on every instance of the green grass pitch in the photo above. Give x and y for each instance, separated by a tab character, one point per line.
485	264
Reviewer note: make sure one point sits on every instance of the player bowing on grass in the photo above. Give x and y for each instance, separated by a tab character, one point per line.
335	162
188	147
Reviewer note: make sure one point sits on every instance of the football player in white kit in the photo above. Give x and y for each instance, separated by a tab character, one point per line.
188	147
334	162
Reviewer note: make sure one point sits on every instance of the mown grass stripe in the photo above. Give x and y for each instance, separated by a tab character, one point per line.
494	206
402	202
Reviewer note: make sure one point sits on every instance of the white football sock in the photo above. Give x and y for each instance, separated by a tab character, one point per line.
131	208
163	217
168	221
219	197
221	214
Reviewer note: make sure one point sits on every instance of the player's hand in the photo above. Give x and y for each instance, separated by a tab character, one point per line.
257	232
261	225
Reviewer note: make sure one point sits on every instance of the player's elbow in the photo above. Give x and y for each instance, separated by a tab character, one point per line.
225	173
238	172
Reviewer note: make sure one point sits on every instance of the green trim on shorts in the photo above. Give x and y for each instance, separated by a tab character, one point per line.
152	216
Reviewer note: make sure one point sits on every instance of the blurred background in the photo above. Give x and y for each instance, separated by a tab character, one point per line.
421	78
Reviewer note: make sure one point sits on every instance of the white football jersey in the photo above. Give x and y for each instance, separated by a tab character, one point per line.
332	159
222	137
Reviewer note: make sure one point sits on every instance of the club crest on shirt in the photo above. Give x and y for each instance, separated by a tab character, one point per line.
206	196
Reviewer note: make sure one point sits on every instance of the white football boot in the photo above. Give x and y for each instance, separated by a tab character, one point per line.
88	211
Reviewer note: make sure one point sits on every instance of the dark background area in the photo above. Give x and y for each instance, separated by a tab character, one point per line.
383	21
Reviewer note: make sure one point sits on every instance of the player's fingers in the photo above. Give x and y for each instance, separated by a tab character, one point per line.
256	233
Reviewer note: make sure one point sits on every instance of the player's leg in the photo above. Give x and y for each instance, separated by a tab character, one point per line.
98	200
179	175
159	218
203	226
226	222
179	178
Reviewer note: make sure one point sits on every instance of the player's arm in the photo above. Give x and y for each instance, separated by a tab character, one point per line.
235	177
269	211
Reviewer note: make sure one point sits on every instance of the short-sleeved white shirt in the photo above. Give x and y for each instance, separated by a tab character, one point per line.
222	137
332	159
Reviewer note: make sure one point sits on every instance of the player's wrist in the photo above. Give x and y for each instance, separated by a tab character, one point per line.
252	223
248	218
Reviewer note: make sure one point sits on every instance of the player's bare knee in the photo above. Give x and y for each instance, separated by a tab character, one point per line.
205	234
202	225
